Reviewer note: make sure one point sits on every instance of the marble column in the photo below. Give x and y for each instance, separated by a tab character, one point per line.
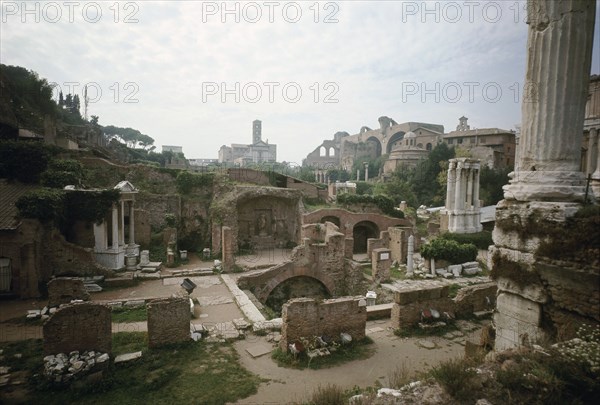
131	224
559	52
451	185
357	174
458	198
409	257
469	203
122	224
115	228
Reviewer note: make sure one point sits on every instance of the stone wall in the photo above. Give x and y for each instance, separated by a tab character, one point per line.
321	256
157	205
64	289
168	321
409	302
306	318
475	298
81	327
143	228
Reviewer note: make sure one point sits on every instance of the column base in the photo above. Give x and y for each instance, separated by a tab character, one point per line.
546	186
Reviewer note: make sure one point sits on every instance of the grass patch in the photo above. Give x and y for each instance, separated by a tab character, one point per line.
398	273
399	377
122	315
453	290
358	350
457	377
196	373
328	395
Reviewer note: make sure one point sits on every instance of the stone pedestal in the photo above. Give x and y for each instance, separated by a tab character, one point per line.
381	261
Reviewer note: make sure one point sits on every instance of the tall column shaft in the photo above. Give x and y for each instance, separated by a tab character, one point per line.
559	51
115	228
476	186
451	185
458	198
469	188
122	224
596	173
131	224
592	153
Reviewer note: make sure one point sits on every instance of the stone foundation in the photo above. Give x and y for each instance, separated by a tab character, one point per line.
475	298
409	303
306	318
80	327
168	321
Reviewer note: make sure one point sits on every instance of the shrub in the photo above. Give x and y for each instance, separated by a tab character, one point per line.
187	181
24	161
480	239
449	250
43	204
384	203
63	172
456	376
328	395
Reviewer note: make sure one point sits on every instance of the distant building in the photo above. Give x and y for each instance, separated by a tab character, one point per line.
495	147
203	162
171	148
257	152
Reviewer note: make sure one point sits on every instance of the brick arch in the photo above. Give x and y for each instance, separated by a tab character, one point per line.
331	218
361	232
292	272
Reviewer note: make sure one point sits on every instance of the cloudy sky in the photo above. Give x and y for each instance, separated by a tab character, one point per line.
197	74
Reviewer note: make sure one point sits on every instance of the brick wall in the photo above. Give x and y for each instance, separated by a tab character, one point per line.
64	289
409	303
305	317
475	298
83	326
168	321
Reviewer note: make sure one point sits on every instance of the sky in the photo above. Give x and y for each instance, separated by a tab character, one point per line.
197	73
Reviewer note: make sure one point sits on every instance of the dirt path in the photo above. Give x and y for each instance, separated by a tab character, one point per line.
290	385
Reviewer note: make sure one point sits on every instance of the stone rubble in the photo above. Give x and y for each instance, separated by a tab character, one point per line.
63	368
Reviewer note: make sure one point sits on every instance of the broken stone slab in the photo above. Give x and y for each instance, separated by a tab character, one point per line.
196	336
241	324
122	358
150	276
259	350
448	275
92	287
134	303
273	324
455	269
426	344
102	358
34	312
471	271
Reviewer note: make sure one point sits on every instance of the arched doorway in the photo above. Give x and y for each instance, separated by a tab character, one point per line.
396	138
296	287
361	232
332	219
376	144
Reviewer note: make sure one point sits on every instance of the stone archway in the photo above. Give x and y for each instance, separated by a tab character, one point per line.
332	219
361	232
292	272
296	287
377	144
398	136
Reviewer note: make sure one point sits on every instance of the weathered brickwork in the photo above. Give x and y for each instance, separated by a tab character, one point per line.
306	318
408	304
480	297
82	326
64	289
168	321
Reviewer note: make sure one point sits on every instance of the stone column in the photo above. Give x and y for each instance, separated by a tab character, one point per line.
227	248
409	258
595	186
366	172
469	203
592	151
432	267
458	198
476	189
131	224
559	52
357	174
451	185
122	224
115	228
547	182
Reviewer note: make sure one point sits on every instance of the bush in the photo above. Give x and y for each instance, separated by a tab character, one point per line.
44	205
384	203
449	250
187	181
24	161
480	239
456	376
328	395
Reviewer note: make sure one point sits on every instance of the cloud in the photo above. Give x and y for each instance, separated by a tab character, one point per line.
375	49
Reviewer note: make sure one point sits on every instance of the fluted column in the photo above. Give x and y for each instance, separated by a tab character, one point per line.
458	198
131	224
122	224
451	185
559	51
476	186
469	203
115	228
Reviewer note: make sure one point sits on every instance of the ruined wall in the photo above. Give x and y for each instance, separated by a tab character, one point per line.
79	327
306	318
168	321
143	228
64	289
157	205
409	302
321	256
474	298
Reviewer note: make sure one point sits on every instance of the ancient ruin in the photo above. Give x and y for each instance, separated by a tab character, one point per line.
538	296
462	212
168	321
